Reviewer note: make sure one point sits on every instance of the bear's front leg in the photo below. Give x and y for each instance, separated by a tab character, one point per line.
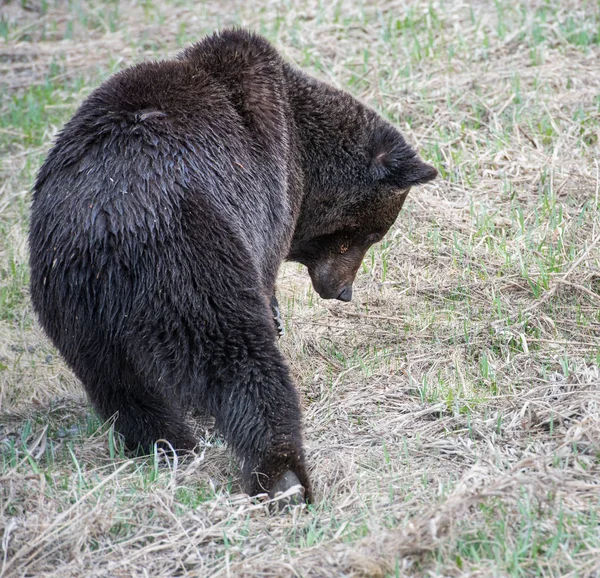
259	415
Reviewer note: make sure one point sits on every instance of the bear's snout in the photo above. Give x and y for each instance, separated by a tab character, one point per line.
332	278
331	281
340	291
346	294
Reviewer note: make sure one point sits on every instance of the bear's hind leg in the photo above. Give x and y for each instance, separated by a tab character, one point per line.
145	419
143	414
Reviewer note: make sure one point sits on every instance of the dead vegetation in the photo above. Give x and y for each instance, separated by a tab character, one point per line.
452	410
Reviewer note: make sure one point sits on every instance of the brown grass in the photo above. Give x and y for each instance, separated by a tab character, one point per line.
452	410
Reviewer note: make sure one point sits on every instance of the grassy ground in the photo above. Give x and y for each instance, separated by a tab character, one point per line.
452	410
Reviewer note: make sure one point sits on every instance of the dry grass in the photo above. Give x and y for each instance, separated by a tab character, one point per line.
452	410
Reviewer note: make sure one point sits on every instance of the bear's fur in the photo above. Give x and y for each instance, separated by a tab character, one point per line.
160	218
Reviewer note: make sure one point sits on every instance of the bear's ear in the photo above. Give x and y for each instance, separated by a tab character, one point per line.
394	161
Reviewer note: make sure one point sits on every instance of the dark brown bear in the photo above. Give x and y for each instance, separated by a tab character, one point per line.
159	221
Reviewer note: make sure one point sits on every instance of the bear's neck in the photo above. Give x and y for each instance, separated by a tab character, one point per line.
329	128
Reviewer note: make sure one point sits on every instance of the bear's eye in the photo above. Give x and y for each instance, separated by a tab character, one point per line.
344	247
373	238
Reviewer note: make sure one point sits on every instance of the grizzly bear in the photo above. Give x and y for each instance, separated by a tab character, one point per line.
159	221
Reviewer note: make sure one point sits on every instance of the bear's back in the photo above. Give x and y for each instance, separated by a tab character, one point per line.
163	145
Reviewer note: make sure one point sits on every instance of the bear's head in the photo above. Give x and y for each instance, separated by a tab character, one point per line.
351	203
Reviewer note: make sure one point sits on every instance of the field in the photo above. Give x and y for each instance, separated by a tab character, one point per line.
451	410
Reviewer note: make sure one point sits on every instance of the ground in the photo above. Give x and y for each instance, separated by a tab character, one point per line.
452	410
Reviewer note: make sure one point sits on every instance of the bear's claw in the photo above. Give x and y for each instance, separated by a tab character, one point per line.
279	326
287	482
